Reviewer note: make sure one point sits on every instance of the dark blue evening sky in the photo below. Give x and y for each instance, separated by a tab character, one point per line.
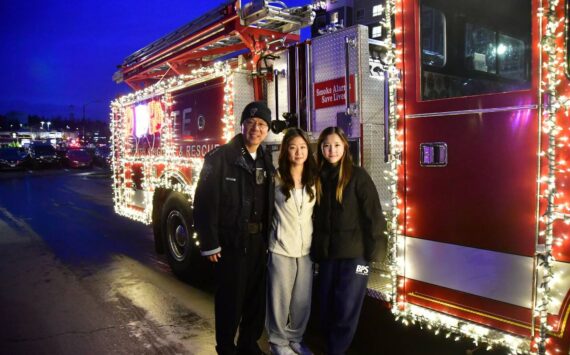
57	56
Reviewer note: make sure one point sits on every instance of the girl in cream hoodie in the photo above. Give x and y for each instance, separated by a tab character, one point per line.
290	267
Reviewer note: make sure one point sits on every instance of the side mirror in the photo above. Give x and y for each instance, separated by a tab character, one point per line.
278	126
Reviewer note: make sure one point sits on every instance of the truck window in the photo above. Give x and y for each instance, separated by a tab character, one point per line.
433	37
468	49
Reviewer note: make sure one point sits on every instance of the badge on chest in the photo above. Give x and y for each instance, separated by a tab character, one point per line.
260	176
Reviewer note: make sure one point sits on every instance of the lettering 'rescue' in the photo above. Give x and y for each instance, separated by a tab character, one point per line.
196	150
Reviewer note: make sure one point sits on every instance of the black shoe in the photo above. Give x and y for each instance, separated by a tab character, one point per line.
226	350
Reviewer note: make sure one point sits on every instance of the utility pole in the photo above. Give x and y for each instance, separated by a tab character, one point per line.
83	120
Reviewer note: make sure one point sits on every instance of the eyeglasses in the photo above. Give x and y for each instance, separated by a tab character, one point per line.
252	123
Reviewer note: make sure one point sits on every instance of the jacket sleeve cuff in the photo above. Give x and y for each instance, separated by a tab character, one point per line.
211	252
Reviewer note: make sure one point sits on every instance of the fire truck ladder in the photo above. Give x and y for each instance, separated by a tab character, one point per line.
258	28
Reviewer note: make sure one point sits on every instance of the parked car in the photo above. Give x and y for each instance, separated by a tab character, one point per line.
61	150
78	158
102	156
43	155
13	158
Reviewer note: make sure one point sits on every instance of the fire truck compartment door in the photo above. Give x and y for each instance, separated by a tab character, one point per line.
330	67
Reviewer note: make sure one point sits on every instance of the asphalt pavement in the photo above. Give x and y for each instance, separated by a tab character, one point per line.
79	279
65	293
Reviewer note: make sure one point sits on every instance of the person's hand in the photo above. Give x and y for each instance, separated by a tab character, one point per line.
215	257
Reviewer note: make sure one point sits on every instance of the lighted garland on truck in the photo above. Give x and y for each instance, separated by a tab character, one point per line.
555	67
170	158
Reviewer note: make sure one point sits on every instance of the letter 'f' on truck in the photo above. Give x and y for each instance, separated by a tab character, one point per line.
459	112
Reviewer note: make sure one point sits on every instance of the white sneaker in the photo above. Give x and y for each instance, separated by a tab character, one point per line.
280	349
300	348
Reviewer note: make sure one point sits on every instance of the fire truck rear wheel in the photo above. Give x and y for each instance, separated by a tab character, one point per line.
177	232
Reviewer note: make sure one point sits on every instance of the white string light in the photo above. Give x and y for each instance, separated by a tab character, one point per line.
556	208
167	158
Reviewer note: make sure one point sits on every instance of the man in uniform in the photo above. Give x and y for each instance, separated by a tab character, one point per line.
232	211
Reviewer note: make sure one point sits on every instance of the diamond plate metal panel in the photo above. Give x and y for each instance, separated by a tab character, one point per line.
242	95
328	64
372	113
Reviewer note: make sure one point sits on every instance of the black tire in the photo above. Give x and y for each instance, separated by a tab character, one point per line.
182	253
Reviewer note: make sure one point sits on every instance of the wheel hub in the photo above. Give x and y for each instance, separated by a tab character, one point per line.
177	236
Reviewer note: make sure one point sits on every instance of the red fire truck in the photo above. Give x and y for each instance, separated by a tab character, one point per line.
459	116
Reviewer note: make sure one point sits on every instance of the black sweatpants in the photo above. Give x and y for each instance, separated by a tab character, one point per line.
240	296
342	286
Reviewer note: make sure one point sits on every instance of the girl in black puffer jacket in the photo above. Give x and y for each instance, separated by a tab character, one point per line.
348	233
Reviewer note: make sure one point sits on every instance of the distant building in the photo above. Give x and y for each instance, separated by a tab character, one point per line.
23	137
370	13
336	14
332	15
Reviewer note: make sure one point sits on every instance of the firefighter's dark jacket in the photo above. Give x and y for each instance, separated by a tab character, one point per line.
224	196
355	228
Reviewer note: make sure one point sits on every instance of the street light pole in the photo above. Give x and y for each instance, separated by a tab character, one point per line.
83	120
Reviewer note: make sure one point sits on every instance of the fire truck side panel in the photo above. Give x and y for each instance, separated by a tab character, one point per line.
485	197
470	167
198	110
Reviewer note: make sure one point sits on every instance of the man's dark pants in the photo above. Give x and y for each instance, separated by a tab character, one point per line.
240	296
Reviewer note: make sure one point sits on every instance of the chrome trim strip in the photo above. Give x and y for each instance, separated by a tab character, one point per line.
536	261
486	273
467	112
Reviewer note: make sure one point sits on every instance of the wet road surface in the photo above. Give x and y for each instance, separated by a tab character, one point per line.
78	279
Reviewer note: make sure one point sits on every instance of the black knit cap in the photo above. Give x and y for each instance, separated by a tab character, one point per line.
256	109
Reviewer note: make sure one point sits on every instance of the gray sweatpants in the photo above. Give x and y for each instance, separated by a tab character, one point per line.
289	285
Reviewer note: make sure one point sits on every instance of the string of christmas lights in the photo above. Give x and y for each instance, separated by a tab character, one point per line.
555	67
125	153
392	62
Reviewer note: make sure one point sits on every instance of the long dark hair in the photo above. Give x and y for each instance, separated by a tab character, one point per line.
345	171
309	175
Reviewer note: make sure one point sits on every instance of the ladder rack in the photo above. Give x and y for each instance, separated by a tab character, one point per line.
228	30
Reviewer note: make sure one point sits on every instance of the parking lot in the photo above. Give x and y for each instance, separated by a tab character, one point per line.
42	155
